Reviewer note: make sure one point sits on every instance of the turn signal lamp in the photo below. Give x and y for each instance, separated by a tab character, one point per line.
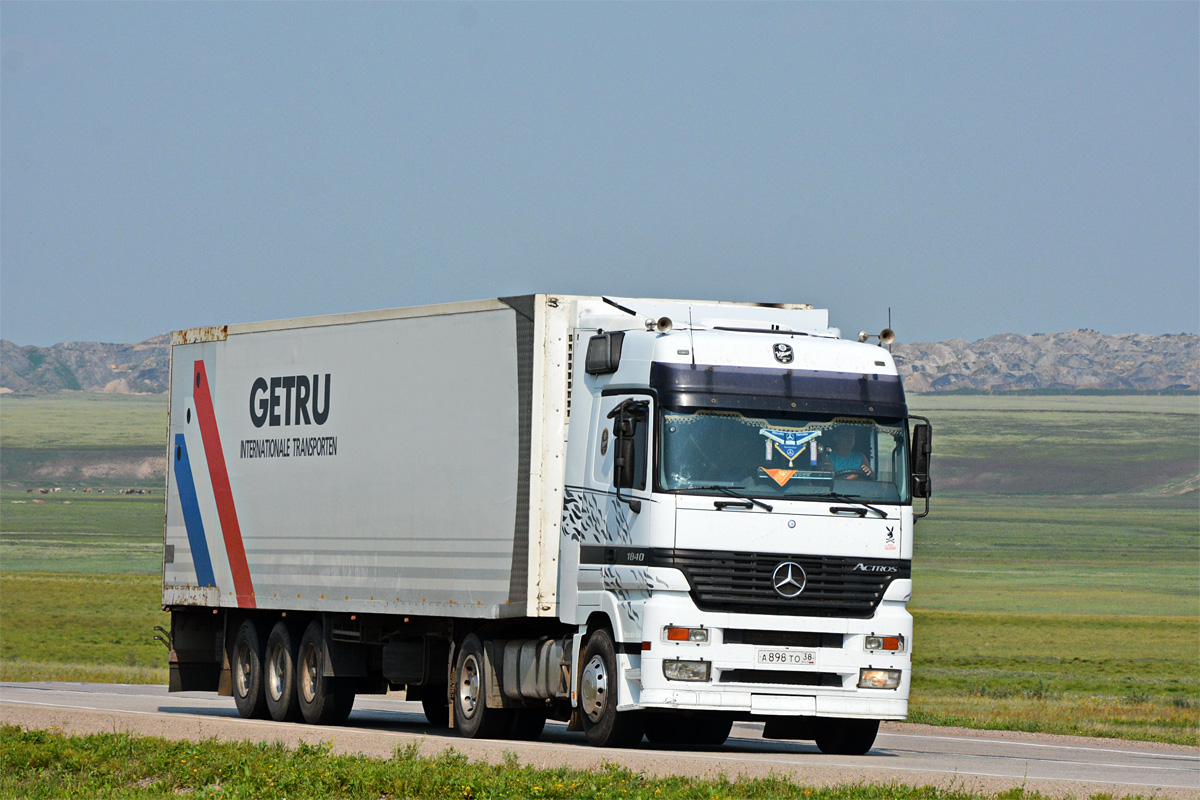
698	635
878	678
894	644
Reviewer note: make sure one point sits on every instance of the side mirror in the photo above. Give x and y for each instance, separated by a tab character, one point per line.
922	449
624	462
626	417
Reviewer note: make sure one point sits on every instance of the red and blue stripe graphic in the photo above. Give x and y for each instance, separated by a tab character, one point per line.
192	520
231	531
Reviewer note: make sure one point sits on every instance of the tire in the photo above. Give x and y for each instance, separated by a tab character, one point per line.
436	707
323	700
279	674
527	724
603	724
847	737
676	729
711	731
246	664
472	718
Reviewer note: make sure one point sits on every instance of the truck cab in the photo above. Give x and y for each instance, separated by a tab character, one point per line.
738	515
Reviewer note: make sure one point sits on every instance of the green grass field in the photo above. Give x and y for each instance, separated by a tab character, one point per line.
73	420
94	628
1057	580
46	764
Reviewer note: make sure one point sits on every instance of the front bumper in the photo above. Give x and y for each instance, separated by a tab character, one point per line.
740	682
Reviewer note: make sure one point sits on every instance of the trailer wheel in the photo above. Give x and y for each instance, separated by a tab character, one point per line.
847	737
280	674
472	717
323	700
527	724
246	663
603	724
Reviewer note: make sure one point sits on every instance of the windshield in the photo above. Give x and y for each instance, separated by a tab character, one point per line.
787	455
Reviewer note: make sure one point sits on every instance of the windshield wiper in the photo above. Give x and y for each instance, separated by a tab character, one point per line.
732	493
842	498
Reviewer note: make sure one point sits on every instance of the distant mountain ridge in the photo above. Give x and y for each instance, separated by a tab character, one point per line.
1079	359
141	368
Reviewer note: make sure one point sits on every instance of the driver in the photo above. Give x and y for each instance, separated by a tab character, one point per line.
843	459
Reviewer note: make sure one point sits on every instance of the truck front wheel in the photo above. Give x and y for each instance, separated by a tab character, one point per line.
676	729
280	674
247	665
847	737
603	724
323	700
472	717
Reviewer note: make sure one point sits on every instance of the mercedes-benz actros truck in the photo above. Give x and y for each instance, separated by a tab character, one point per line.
647	518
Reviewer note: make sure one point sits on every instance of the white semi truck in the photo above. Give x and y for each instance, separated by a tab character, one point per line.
646	517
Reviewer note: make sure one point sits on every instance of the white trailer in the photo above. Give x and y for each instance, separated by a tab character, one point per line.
648	517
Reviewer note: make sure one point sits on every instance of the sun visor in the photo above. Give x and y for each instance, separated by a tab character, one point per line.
812	391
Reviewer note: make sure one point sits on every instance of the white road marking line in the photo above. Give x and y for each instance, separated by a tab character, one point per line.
1039	744
703	756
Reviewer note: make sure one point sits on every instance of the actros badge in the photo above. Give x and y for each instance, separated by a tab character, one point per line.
783	353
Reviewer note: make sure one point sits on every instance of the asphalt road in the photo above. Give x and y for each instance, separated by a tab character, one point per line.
988	761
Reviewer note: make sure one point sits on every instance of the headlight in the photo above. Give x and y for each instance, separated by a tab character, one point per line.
695	635
687	670
878	678
894	644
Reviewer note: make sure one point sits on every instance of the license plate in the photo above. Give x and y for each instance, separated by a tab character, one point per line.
790	658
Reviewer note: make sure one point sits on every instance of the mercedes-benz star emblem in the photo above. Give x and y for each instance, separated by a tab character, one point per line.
789	579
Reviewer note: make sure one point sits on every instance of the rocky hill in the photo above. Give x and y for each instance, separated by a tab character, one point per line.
86	366
1080	359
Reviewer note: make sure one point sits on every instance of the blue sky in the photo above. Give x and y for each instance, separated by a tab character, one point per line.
980	168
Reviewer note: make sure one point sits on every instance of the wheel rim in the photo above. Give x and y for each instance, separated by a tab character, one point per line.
469	686
242	671
593	688
309	673
275	672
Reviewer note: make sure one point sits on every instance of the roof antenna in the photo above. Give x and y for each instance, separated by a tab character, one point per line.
691	339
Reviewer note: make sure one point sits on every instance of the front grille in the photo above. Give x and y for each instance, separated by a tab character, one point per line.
782	638
781	678
835	586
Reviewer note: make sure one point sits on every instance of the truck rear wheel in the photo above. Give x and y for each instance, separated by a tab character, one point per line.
472	717
246	662
527	724
436	707
323	700
603	724
847	737
280	674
